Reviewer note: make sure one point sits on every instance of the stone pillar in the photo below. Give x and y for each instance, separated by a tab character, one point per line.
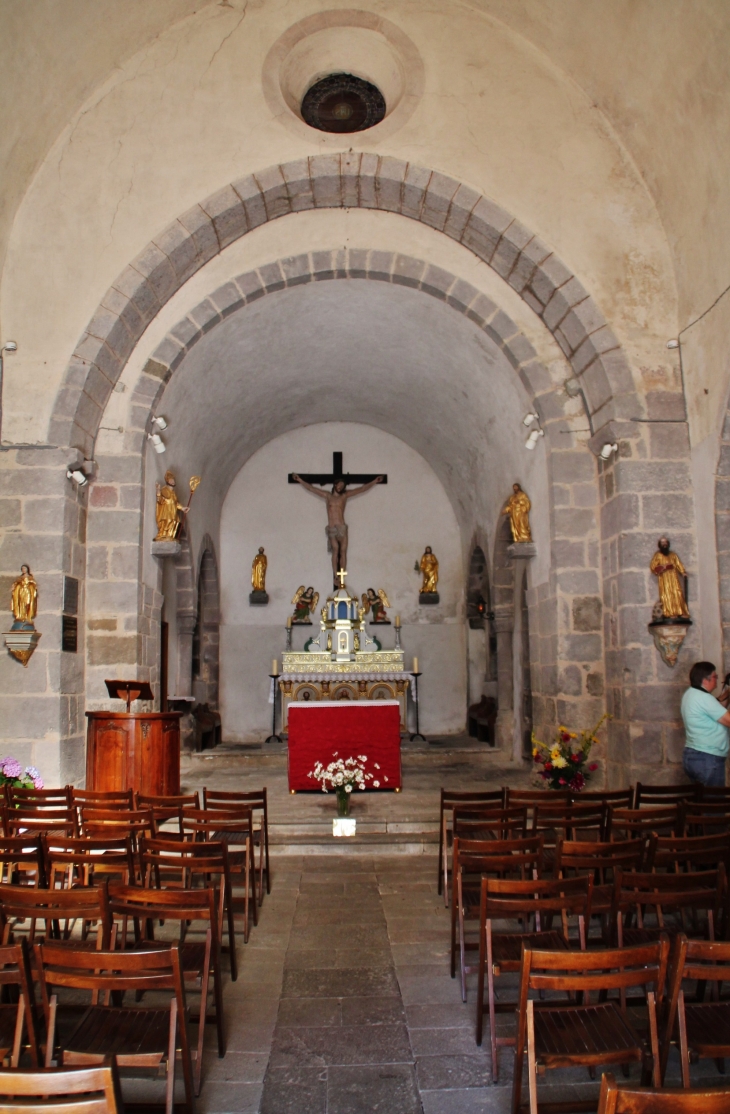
186	621
521	553
504	625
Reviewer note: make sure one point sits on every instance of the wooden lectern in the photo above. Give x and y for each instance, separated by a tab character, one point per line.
133	750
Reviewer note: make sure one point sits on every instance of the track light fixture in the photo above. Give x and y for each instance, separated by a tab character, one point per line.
530	418
77	476
160	422
672	344
533	439
608	450
157	443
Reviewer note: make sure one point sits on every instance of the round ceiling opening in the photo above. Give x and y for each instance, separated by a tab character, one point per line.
343	103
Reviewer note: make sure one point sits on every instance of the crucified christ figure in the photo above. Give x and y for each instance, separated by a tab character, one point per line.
336	528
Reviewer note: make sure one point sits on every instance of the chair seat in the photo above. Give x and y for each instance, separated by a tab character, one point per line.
507	947
708	1028
137	1037
598	1034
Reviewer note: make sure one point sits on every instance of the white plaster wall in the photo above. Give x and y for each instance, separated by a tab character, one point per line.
389	528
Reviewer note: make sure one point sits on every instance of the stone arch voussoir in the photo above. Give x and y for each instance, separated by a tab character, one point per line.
346	180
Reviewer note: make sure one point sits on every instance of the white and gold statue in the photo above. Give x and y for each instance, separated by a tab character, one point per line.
429	567
518	508
24	597
258	571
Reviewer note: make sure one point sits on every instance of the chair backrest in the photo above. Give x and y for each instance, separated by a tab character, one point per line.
80	969
521	857
487	822
600	859
623	823
532	797
40	798
609	969
26	852
565	821
158	856
85	903
103	798
509	899
221	800
451	799
15	971
630	1098
700	890
713	792
111	822
151	904
705	817
653	795
619	798
688	852
80	859
95	1090
31	820
204	824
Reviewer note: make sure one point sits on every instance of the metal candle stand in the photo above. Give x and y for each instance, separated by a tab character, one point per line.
417	734
273	737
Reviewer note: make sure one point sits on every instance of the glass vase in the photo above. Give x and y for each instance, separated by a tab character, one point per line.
343	802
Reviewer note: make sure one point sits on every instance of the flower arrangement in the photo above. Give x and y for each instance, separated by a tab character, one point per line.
565	762
343	776
12	773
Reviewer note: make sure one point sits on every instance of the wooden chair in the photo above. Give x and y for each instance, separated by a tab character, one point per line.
560	821
472	822
501	952
710	817
617	798
179	864
681	854
627	1098
700	1029
167	808
640	823
713	792
520	858
653	796
28	821
138	1036
599	861
587	1034
451	800
681	894
532	797
200	959
111	823
88	905
235	828
88	862
22	860
62	1090
38	798
103	798
15	1017
257	801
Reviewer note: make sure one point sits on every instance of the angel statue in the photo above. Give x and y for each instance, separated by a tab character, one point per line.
377	604
305	600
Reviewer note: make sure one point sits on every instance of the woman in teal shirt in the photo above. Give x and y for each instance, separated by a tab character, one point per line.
706	722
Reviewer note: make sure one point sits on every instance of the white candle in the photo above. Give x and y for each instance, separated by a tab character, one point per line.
397	620
275	667
288	620
415	665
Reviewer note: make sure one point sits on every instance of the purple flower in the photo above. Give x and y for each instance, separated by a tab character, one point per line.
12	768
38	782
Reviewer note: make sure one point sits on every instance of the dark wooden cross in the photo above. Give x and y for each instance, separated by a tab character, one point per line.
337	474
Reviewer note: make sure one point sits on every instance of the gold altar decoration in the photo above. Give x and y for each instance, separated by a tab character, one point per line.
24	597
429	568
377	603
258	571
671	573
518	508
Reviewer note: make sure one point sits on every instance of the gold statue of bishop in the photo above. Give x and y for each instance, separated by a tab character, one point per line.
518	508
671	573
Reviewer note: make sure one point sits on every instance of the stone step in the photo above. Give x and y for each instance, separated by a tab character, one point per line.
377	837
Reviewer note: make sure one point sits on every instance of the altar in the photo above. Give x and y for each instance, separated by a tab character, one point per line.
343	667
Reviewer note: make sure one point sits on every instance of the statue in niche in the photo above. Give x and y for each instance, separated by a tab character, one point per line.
305	600
169	512
336	528
672	578
429	568
24	599
376	603
518	508
259	595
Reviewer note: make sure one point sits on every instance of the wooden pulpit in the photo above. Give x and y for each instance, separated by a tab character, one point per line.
133	750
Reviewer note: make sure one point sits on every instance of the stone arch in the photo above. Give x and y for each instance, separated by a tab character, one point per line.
359	180
206	637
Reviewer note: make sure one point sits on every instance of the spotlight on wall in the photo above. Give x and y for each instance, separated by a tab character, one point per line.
608	450
533	439
160	422
77	476
157	442
9	346
530	418
672	344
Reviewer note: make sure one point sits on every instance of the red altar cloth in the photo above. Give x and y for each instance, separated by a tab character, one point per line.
319	729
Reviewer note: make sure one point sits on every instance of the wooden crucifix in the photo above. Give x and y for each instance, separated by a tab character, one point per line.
336	501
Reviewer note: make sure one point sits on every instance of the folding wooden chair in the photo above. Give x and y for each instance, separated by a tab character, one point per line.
257	801
682	854
23	861
234	827
88	905
708	817
103	798
177	865
138	1036
587	1034
627	1098
88	862
483	822
38	798
677	894
20	1015
28	821
599	861
640	823
62	1090
654	796
501	952
520	858
617	798
111	823
461	799
700	1029
575	822
200	960
167	808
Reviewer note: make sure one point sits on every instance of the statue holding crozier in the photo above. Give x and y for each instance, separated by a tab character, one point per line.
672	579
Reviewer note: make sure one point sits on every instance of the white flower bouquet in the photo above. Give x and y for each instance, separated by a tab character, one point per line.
343	776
